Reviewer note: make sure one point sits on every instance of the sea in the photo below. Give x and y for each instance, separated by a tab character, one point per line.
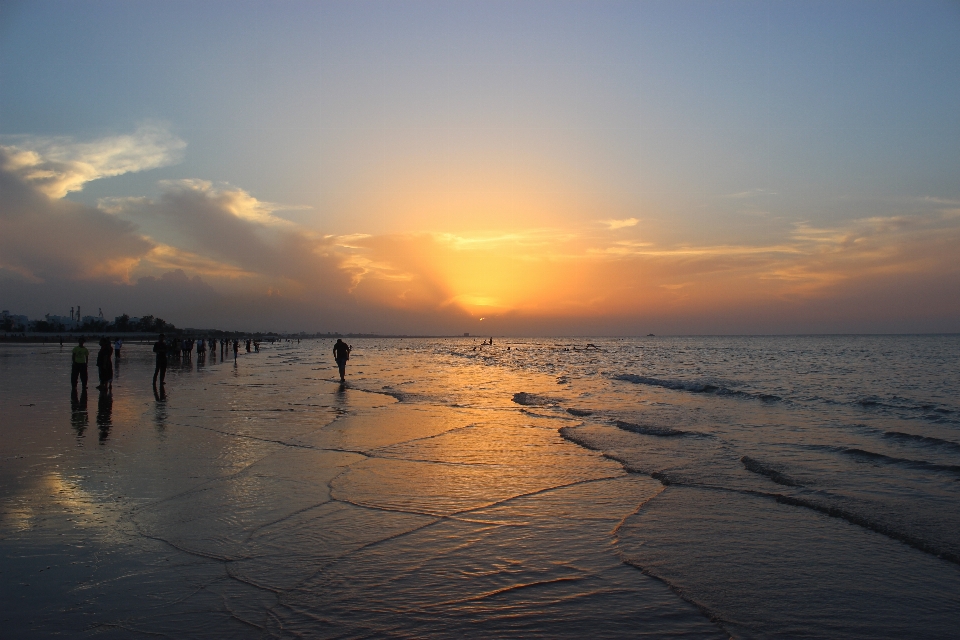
714	487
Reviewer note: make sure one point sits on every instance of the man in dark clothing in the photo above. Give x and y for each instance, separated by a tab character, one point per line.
341	353
79	357
160	348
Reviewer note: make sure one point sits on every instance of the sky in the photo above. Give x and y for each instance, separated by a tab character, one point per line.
501	168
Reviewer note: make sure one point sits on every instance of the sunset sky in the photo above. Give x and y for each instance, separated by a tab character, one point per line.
503	168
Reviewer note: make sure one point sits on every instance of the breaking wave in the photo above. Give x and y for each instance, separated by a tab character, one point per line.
757	467
655	431
695	387
926	440
535	400
907	462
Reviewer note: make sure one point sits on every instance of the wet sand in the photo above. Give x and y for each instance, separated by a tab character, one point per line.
263	500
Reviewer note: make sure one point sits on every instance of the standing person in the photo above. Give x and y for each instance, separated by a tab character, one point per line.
236	348
160	348
341	353
79	357
105	366
116	348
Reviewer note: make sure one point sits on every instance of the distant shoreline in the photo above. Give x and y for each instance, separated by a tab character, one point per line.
54	338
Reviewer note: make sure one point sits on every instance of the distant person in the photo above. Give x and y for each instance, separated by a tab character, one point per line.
236	349
105	365
79	357
341	353
118	343
201	350
160	348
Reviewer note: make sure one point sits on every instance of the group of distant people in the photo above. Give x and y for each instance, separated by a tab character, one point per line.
184	349
163	349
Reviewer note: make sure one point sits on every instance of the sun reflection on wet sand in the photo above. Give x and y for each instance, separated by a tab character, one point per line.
288	498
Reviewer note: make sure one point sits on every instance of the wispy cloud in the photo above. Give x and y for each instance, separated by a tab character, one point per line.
58	165
749	193
619	224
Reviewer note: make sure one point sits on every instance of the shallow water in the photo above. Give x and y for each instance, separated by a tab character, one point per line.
753	487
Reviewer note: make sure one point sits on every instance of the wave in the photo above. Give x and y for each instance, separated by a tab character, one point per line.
535	400
655	431
907	462
695	387
580	413
854	518
931	411
757	467
927	440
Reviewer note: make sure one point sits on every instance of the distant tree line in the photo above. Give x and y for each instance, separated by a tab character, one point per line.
120	324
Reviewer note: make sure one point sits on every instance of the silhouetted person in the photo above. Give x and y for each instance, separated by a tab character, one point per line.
160	348
79	357
105	365
341	353
236	349
116	348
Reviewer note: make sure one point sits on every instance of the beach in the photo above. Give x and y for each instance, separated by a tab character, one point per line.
448	491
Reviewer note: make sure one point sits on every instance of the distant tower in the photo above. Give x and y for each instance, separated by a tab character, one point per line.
78	313
71	313
101	314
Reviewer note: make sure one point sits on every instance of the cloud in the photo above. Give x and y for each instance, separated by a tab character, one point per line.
749	193
204	253
619	224
43	238
56	166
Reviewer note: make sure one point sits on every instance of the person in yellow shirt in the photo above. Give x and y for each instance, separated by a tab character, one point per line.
79	357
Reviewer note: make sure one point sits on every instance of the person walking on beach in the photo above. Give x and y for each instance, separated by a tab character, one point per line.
79	357
105	366
160	348
116	348
341	353
236	349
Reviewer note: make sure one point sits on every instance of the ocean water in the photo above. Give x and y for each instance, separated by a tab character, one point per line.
752	487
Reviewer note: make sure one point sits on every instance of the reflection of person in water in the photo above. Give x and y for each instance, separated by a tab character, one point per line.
160	409
78	411
160	348
104	414
341	353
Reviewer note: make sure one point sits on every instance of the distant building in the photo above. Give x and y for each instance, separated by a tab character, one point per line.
466	335
13	322
56	321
